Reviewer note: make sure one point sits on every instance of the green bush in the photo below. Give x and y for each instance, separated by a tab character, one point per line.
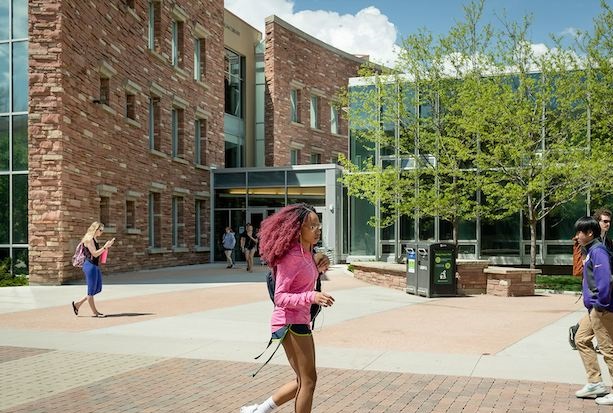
558	282
10	280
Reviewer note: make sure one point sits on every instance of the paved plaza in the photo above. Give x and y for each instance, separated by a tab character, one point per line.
183	340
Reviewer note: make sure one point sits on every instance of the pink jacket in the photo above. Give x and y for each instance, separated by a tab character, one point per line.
294	288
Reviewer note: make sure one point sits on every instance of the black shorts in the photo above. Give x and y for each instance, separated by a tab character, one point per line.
295	329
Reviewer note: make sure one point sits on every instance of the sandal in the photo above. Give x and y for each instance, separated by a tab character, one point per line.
100	315
75	309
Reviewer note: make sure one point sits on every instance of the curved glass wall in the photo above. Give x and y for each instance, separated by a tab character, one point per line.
14	134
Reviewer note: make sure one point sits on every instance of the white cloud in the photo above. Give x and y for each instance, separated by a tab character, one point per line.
571	32
367	32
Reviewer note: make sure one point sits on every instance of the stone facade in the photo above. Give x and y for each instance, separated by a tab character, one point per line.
82	150
295	60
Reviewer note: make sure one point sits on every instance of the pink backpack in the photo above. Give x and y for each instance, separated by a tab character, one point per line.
79	256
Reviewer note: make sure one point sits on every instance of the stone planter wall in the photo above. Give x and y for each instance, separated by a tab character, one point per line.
382	274
510	282
471	278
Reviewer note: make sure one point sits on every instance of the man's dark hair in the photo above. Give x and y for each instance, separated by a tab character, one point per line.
588	224
600	212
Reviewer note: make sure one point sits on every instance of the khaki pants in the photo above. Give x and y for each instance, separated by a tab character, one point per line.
599	325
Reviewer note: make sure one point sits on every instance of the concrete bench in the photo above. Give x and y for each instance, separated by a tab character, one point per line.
510	281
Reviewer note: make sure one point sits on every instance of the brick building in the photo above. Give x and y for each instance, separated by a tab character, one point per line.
125	120
303	123
119	112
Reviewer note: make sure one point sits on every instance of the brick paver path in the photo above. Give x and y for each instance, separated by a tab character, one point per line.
119	383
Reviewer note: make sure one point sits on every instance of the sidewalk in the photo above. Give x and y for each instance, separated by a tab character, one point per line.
183	340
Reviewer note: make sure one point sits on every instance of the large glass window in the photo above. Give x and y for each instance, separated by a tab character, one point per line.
20	76
4	209
500	237
20	209
155	220
233	81
4	20
20	19
4	143
177	43
20	142
362	234
199	58
178	222
5	75
560	224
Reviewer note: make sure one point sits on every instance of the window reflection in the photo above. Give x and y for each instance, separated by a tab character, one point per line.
20	143
20	19
5	75
20	77
233	82
20	209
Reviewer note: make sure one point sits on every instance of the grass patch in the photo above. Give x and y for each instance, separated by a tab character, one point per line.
558	282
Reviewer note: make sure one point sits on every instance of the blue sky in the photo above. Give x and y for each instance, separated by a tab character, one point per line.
373	27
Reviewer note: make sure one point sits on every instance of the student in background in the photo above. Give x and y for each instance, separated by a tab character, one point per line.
228	242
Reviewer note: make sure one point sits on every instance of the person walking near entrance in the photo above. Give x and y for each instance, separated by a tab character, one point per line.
91	267
249	243
597	300
228	242
287	240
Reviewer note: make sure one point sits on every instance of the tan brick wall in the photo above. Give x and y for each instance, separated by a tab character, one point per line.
293	58
511	282
76	145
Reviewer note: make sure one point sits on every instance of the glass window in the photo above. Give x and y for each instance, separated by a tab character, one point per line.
294	98
20	261
334	120
178	223
230	180
154	124
4	143
268	178
4	209
20	209
130	213
407	228
155	220
426	228
154	31
306	178
560	223
105	210
4	21
315	158
294	156
233	81
130	106
105	91
362	234
200	129
467	230
500	237
5	75
233	152
314	111
20	77
20	19
230	198
199	58
20	143
177	44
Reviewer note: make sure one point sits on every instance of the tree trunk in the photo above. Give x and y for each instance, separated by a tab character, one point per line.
533	223
456	229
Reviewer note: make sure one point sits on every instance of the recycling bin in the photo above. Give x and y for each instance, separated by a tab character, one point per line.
432	270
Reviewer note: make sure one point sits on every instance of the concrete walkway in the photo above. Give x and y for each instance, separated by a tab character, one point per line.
183	340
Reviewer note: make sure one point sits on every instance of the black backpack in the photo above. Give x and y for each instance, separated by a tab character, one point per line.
270	284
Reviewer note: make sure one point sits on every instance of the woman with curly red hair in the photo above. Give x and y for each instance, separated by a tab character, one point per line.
287	239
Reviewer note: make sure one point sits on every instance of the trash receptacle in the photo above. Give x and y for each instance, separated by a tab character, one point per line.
435	268
411	269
